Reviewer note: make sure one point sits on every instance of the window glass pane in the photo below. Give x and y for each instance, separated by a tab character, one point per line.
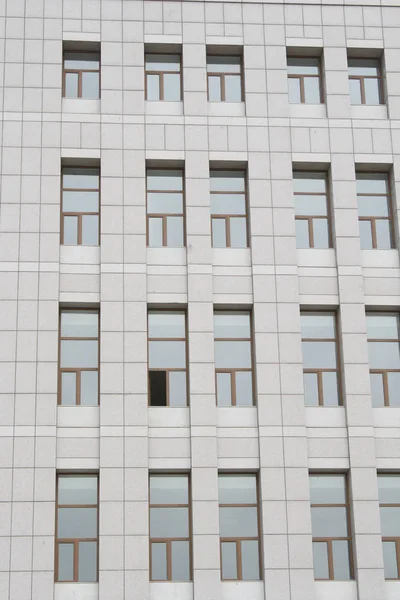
310	389
383	237
319	355
165	180
218	233
65	562
175	232
355	91
389	489
70	231
227	181
87	561
68	389
233	88
330	389
237	489
317	326
81	179
158	388
320	553
77	523
390	560
310	183
155	232
250	560
90	85
164	203
79	353
328	489
228	204
294	90
363	66
167	324
365	235
89	388
223	64
172	87
341	560
238	521
373	206
169	522
390	521
232	355
180	561
158	562
232	325
90	230
394	388
303	66
328	522
312	90
238	232
177	388
377	393
167	355
310	205
384	355
371	183
79	323
383	327
153	87
302	233
229	561
71	85
372	95
163	62
169	490
244	388
75	201
214	89
321	233
81	60
77	490
224	389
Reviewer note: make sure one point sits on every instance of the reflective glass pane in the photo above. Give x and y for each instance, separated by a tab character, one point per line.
390	521
238	521
394	388
328	521
312	90
237	489
383	237
65	562
304	181
377	393
355	91
172	87
250	560
228	204
214	89
389	489
238	232
233	88
89	388
155	232
81	60
79	323
232	325
77	523
330	389
81	179
76	201
320	553
167	355
68	389
77	490
372	95
232	355
90	85
70	231
90	230
302	233
390	560
371	183
153	87
321	233
317	326
227	181
71	85
303	66
313	205
177	388
180	561
229	560
87	561
373	206
363	66
244	388
382	327
164	179
365	235
310	389
164	203
79	353
384	355
175	232
294	90
341	560
158	562
218	233
223	64
169	490
163	62
319	355
158	388
169	522
167	324
224	389
328	489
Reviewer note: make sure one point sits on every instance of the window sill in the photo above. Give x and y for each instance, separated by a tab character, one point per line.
242	590
80	106
316	257
325	416
330	590
226	109
76	591
380	259
80	255
235	257
164	108
369	112
78	416
307	111
166	256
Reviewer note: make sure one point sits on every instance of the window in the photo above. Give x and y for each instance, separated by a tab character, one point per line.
167	358
77	528
80	206
81	75
224	78
365	80
170	544
389	501
228	209
374	211
239	529
320	359
311	210
233	358
384	358
165	212
79	358
331	527
163	77
304	80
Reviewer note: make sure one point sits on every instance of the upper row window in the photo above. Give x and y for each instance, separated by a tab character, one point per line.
81	75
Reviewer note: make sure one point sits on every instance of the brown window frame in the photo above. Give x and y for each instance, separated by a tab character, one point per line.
227	217
361	78
372	220
164	216
75	541
79	215
384	372
223	75
161	75
79	72
78	370
310	218
301	77
168	541
395	539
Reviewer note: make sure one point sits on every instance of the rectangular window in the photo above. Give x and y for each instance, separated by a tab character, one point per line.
81	75
163	77
167	358
311	210
331	531
239	527
384	358
165	208
79	358
77	528
374	211
224	78
389	506
365	80
170	530
228	209
320	359
304	80
233	358
80	203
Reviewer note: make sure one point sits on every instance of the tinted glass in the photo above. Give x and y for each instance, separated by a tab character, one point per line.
302	234
232	355
218	233
70	231
320	553
75	201
250	560
180	561
153	87
89	388
393	388
224	389
341	560
383	234
238	232
238	521
371	183
214	89
90	230
227	181
232	325
77	523
364	66
365	235
233	88
389	489
229	560
372	95
355	91
163	62
310	389
303	66
79	353
81	60
321	233
317	326
312	91
294	90
68	389
382	327
169	490
169	522
159	562
330	389
175	232
384	355
166	325
390	521
65	562
390	560
237	489
377	389
228	204
90	85
79	324
172	87
328	489
329	521
310	205
373	206
166	180
177	388
77	490
309	183
223	64
87	561
167	355
81	179
244	388
155	232
164	203
319	355
71	85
